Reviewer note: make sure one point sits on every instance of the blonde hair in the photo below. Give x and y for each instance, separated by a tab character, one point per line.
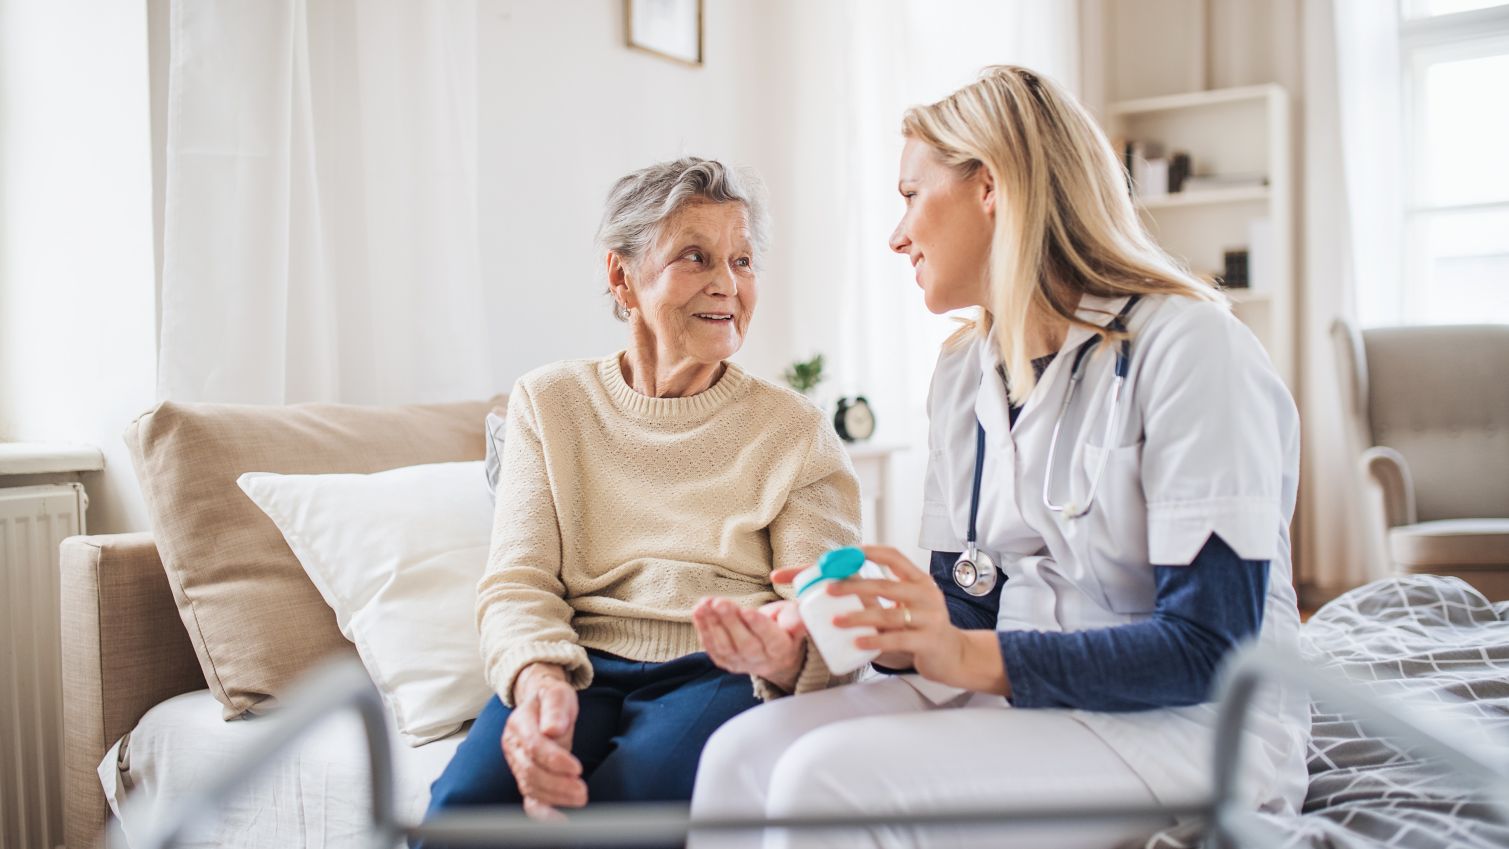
1064	221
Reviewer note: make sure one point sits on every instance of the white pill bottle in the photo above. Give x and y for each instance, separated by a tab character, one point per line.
819	609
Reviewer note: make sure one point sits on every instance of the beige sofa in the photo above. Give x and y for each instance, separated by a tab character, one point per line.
124	650
213	599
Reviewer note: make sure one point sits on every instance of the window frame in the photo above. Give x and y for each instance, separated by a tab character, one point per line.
1426	41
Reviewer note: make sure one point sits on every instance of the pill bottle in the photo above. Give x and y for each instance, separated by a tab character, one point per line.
818	608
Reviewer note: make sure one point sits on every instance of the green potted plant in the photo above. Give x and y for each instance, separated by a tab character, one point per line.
804	376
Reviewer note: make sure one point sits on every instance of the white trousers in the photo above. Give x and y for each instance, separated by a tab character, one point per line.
880	747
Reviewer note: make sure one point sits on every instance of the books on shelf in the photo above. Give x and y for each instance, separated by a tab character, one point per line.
1148	171
1250	268
1152	174
1152	182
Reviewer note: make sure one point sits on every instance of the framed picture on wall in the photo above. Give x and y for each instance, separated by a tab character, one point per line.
671	29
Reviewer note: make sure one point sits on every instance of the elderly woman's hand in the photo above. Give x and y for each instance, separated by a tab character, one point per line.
765	642
537	742
919	624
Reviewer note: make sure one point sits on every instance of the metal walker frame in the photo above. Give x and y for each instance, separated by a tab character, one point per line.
344	685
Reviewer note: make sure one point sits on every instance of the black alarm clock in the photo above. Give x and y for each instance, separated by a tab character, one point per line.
854	421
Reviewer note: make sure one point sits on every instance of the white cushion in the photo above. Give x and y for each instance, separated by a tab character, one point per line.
397	556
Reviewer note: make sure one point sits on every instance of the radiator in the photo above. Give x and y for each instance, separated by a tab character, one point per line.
33	521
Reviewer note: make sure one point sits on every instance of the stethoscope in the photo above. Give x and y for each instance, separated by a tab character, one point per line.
975	571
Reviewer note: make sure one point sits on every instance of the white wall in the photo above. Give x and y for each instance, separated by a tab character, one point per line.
788	88
1149	48
77	324
565	110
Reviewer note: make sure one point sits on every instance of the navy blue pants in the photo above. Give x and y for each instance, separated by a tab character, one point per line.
639	732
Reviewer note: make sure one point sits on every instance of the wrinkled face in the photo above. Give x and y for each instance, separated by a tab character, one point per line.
946	229
694	289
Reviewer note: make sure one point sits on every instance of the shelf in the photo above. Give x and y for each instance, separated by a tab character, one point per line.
36	458
1175	102
1206	197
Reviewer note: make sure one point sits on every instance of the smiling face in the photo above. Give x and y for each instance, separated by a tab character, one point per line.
694	288
946	230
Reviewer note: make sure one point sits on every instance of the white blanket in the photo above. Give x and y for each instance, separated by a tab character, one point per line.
317	797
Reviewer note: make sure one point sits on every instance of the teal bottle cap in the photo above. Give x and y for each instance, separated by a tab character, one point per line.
836	565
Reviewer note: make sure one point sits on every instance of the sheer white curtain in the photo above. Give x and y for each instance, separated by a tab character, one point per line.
1353	176
1369	83
863	307
320	237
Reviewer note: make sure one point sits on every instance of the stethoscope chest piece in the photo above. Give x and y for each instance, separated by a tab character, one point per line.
975	571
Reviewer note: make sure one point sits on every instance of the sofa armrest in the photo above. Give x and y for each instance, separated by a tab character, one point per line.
124	650
1387	469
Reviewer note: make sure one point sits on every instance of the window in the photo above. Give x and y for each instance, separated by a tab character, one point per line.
1431	8
1455	61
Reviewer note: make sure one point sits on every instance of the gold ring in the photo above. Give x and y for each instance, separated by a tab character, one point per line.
906	616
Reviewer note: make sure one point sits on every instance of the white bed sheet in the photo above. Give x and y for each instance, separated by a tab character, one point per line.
316	797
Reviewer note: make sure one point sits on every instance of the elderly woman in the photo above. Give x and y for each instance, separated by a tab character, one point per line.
645	498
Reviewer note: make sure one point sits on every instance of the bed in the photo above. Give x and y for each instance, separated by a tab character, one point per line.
1434	640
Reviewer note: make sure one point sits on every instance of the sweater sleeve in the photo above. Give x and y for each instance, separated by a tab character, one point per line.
1202	611
522	614
821	513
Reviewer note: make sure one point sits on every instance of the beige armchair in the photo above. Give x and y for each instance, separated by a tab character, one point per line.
1428	410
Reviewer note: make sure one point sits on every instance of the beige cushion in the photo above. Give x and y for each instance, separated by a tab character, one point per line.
1452	543
254	618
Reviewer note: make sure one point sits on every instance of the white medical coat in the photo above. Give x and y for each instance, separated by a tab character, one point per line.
1206	441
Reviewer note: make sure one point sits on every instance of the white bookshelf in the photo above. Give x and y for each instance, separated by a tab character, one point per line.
1229	131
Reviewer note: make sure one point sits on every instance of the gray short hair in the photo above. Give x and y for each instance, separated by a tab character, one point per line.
644	200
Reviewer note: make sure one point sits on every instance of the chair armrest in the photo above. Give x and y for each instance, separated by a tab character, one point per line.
124	650
1387	469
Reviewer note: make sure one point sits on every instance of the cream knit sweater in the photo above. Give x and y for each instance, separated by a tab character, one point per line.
617	512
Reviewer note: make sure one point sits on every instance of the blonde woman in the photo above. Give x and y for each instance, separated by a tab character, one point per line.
1062	646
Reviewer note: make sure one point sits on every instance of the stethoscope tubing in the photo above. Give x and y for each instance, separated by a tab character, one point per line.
1070	510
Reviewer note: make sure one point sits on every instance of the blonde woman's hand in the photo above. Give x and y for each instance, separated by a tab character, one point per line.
537	742
767	642
890	660
918	624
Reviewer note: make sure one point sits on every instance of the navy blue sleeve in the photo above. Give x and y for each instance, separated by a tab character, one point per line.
1202	611
972	613
966	611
